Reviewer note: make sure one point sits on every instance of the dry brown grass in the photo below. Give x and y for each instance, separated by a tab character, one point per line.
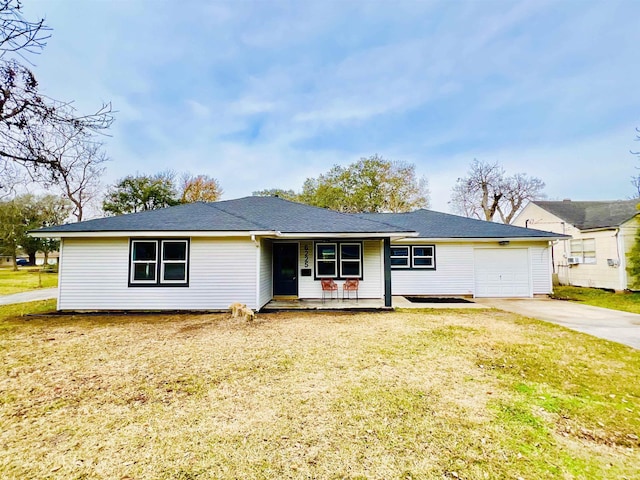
290	395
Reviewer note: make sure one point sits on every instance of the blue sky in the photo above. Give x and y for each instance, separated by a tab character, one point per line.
263	94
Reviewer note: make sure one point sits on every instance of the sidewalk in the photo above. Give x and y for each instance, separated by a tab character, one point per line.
30	296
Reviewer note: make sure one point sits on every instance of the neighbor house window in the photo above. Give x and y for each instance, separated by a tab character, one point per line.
350	260
159	262
585	248
400	257
423	256
326	260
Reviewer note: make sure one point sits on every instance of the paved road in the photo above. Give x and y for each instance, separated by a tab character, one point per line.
621	327
30	296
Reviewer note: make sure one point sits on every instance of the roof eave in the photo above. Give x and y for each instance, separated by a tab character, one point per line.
153	233
489	239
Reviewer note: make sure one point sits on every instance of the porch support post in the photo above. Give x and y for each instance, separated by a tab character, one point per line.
387	272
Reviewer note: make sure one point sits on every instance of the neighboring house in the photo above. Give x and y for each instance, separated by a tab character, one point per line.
6	261
602	233
204	256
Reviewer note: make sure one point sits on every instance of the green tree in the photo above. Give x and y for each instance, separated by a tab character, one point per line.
143	192
29	212
11	229
369	185
633	261
277	192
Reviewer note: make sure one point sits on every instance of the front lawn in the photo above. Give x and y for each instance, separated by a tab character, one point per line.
405	395
626	301
26	278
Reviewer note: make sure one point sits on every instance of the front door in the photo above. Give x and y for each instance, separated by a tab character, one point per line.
285	269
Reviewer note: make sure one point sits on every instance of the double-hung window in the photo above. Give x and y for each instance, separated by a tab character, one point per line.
159	262
350	260
423	256
326	260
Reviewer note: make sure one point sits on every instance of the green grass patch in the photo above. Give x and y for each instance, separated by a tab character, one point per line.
624	301
25	279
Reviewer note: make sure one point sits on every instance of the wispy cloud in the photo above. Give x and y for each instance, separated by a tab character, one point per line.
264	94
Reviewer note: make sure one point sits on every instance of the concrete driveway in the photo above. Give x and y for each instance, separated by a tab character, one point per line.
621	327
30	296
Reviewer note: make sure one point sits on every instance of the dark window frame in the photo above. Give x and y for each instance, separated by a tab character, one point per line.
338	259
160	262
412	256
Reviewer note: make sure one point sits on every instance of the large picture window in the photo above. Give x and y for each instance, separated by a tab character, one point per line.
422	257
159	262
338	260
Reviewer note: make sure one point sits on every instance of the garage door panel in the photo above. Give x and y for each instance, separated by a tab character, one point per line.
502	272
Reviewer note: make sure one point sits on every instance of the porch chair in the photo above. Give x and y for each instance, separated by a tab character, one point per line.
349	286
328	285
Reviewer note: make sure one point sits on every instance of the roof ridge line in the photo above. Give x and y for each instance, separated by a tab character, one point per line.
259	225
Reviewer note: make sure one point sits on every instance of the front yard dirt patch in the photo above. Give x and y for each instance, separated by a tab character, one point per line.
421	394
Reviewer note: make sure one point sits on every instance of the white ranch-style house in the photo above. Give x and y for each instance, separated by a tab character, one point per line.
205	256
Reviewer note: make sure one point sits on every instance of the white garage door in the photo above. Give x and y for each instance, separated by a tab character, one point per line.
502	272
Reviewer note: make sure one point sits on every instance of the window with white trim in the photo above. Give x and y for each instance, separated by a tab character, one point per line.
423	256
350	260
400	257
159	262
326	260
584	248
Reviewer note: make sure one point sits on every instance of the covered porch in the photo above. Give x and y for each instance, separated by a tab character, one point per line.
333	304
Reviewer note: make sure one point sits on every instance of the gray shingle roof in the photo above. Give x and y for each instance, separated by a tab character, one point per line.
276	214
588	215
430	224
244	214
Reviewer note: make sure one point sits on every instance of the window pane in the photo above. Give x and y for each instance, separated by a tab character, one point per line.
423	251
144	271
175	271
326	268
400	251
351	269
174	250
350	252
423	262
144	251
399	262
326	252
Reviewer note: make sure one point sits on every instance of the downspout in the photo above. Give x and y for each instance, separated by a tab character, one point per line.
622	261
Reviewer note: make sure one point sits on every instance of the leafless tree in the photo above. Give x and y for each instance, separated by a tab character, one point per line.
487	190
28	119
81	160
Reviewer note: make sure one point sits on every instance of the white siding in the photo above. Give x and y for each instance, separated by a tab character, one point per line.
266	272
94	276
541	270
372	284
453	274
